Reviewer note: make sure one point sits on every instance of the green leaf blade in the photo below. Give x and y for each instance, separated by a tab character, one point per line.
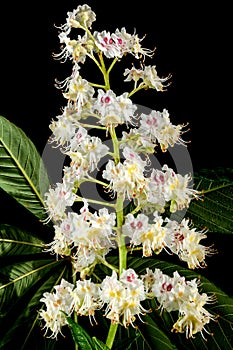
215	211
22	172
80	336
20	298
14	241
99	345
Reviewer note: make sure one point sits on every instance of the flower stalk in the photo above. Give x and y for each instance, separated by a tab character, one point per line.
111	335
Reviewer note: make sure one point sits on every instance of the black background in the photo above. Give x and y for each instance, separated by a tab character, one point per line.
193	44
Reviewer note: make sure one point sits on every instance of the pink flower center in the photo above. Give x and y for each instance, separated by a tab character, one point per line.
139	224
167	287
105	99
130	278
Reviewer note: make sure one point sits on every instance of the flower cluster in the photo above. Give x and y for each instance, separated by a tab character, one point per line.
88	236
122	300
176	294
85	236
178	238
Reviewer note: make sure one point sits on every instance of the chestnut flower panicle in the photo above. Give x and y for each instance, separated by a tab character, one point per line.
84	235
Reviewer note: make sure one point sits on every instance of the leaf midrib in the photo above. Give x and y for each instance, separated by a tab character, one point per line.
27	178
28	274
217	188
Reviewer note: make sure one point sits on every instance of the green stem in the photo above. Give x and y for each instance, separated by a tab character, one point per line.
115	142
135	137
122	250
97	85
121	239
111	335
89	200
140	87
91	179
119	208
135	210
93	126
104	71
96	62
112	64
104	262
75	314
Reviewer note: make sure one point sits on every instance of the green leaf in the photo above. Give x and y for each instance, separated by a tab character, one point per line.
20	300
128	341
152	337
80	336
26	272
14	241
22	172
99	345
215	210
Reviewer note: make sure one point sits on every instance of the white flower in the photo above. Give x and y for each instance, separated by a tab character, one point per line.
67	50
166	186
155	190
86	298
152	80
57	199
72	113
85	150
133	157
119	43
111	289
79	91
126	108
130	43
158	128
116	175
93	150
79	48
149	77
134	226
133	74
58	305
137	142
103	221
177	190
184	240
63	130
127	178
77	139
192	315
85	237
66	27
123	297
106	43
112	109
150	236
83	16
59	246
